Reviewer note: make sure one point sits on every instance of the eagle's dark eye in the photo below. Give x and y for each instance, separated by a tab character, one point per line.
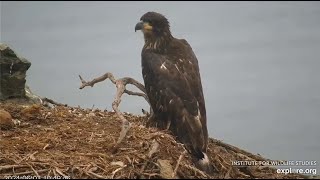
148	21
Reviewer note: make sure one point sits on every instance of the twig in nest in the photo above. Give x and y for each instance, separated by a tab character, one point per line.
36	173
94	155
178	163
115	171
60	172
153	135
45	147
90	173
196	170
29	156
25	173
11	166
151	174
52	102
154	149
227	175
121	88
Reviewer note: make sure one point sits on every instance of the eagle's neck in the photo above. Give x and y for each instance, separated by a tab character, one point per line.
158	43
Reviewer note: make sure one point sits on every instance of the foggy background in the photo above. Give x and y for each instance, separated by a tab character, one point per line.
259	62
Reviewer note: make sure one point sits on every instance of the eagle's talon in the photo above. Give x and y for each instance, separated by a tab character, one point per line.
168	125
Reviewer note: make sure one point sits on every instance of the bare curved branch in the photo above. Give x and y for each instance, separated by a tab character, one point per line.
121	88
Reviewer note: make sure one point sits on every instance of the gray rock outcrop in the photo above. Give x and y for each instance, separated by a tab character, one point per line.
13	71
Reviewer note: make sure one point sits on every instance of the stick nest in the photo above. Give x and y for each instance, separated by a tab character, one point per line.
71	142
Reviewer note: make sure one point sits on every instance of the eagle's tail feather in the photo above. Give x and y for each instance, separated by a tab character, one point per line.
205	165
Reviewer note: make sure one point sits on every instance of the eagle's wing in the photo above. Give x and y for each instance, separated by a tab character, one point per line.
196	85
173	86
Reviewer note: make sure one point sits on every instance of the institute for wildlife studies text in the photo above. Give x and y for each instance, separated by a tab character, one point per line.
274	163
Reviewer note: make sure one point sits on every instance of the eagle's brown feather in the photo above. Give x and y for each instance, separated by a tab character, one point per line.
172	80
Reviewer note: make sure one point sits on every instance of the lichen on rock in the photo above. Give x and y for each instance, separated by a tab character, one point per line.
13	72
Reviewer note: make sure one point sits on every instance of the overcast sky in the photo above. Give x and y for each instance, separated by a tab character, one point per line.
259	62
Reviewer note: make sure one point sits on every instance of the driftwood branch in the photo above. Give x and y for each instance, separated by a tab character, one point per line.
121	89
124	81
237	150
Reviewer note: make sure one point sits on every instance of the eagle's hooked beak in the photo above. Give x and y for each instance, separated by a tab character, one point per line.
143	26
139	26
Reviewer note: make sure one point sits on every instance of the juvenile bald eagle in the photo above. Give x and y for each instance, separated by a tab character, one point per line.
173	85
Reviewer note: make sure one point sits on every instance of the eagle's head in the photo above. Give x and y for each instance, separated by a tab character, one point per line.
154	26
